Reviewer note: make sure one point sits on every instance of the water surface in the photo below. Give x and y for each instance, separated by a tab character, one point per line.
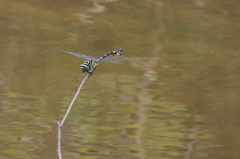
177	98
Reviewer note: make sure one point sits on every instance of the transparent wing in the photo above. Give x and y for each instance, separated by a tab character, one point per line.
80	55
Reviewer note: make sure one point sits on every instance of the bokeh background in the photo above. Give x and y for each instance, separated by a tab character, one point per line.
176	98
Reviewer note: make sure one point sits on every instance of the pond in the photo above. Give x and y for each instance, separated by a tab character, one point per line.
177	97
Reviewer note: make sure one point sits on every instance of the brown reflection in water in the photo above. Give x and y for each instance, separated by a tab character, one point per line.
148	77
97	8
193	136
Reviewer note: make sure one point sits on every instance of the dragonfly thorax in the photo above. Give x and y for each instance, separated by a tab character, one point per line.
88	66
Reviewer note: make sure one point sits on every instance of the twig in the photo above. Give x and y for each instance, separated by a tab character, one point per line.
85	68
60	123
59	155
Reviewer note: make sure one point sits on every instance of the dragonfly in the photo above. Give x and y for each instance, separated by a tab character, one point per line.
92	62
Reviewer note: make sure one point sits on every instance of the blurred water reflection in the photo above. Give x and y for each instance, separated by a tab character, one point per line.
176	98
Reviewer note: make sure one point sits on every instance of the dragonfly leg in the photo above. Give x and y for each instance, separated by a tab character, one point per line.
91	72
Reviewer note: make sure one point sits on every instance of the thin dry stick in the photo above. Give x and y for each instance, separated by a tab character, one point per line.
59	154
60	123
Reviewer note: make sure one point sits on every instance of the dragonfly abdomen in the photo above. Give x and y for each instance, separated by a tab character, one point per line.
118	52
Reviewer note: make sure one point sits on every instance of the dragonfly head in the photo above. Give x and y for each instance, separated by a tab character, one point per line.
85	66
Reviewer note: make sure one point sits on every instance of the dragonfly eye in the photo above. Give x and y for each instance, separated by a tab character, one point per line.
84	67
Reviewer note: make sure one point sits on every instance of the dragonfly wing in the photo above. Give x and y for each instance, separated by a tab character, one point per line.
80	55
